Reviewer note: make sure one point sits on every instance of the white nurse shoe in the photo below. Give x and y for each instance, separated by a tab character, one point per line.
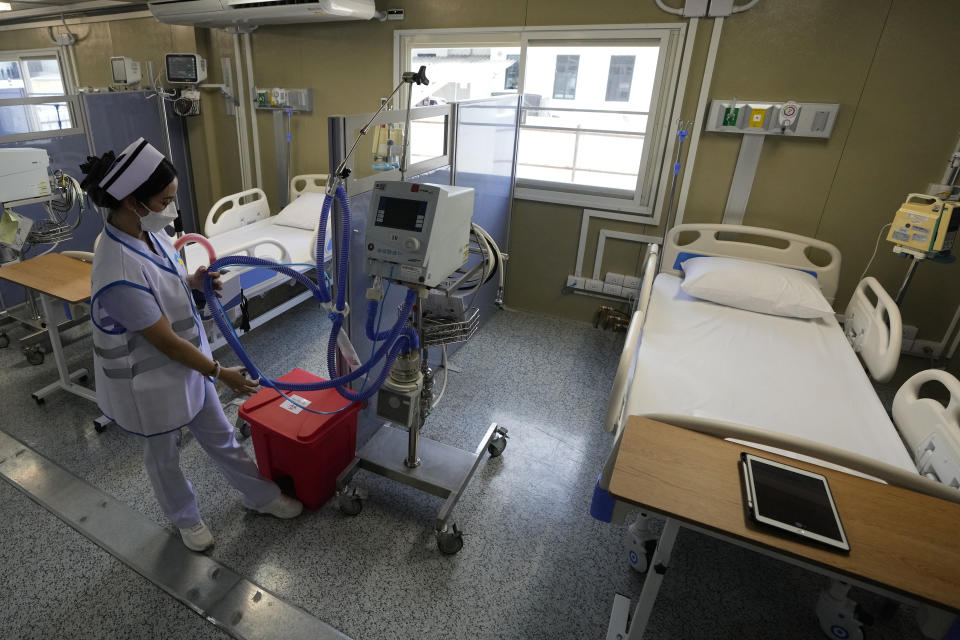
283	507
197	537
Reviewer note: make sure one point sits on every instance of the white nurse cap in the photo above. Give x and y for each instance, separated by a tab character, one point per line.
131	169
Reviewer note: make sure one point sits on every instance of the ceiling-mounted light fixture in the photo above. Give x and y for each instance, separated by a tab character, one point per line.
5	6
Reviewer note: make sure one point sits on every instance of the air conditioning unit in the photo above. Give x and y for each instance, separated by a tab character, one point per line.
252	13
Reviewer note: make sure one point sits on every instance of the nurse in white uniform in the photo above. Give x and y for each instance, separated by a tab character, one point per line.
154	368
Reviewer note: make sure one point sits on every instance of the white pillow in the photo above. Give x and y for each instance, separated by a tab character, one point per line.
755	286
302	213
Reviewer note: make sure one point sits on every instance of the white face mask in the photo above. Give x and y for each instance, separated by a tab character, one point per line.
155	221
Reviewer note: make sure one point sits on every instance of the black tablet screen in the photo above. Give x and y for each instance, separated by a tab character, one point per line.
794	499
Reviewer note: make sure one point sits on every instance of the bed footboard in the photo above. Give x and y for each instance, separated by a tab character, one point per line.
930	428
873	326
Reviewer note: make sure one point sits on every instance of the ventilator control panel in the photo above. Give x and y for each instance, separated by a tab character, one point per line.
418	233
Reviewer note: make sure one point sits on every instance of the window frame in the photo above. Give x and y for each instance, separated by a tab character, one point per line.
69	97
670	39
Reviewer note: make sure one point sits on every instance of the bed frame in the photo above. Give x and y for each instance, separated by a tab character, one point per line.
247	207
930	428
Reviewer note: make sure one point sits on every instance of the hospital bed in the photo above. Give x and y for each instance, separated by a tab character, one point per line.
792	386
241	224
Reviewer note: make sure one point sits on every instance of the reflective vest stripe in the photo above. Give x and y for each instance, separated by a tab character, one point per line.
145	365
137	339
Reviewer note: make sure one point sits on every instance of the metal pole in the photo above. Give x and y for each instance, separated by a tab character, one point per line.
902	293
413	460
248	46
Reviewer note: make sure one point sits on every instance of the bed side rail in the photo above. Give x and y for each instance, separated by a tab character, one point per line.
628	357
930	428
235	211
307	183
758	244
248	249
874	328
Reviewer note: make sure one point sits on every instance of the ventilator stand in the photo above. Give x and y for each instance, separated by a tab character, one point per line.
404	456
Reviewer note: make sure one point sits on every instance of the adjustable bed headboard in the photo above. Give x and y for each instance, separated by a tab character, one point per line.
753	243
307	183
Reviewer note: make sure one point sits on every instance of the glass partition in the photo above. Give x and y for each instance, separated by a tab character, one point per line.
377	156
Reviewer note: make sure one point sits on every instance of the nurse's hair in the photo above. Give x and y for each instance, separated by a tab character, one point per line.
95	169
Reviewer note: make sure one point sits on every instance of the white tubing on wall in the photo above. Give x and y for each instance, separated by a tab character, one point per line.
664	7
698	122
248	46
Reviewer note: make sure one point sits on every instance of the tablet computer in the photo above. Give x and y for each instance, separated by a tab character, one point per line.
793	500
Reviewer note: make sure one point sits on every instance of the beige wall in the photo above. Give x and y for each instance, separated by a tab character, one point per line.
882	60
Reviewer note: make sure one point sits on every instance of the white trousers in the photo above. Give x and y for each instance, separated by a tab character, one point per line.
215	435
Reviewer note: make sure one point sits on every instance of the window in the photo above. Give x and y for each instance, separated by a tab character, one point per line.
620	78
595	114
28	81
565	77
459	73
511	76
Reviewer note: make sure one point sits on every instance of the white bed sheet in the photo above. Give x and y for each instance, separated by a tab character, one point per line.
793	376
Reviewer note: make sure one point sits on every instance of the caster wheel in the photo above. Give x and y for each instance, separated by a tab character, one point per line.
243	429
496	446
38	400
350	506
99	428
4	341
34	355
450	542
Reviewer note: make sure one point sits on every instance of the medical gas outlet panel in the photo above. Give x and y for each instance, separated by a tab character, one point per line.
418	233
800	119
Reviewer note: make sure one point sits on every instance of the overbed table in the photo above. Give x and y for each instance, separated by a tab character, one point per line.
57	277
902	543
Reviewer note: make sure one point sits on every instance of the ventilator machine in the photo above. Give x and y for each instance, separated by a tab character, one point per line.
418	236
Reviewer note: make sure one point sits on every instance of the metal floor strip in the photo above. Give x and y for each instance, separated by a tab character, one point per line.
223	597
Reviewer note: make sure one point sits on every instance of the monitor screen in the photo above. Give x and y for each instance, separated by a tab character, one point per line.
401	213
182	68
794	499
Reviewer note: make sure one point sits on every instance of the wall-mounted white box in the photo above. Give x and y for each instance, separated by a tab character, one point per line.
631	282
593	285
614	278
612	289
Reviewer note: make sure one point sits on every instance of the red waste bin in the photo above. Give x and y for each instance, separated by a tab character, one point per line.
309	449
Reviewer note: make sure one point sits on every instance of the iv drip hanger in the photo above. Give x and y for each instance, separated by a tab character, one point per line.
337	177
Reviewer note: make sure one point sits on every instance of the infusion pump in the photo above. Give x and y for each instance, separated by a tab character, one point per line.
926	224
418	233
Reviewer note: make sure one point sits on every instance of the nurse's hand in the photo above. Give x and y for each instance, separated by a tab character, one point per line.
196	280
233	377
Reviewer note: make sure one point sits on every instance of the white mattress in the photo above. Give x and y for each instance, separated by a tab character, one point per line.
797	377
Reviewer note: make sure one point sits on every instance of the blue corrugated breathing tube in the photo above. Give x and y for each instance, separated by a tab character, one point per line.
398	339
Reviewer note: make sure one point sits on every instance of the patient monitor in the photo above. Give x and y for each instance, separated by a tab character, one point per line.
418	233
926	224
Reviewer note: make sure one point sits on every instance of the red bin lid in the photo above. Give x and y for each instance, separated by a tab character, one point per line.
272	411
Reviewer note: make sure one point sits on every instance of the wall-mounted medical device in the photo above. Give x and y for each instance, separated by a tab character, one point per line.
24	173
279	98
803	119
926	224
186	68
418	233
126	71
